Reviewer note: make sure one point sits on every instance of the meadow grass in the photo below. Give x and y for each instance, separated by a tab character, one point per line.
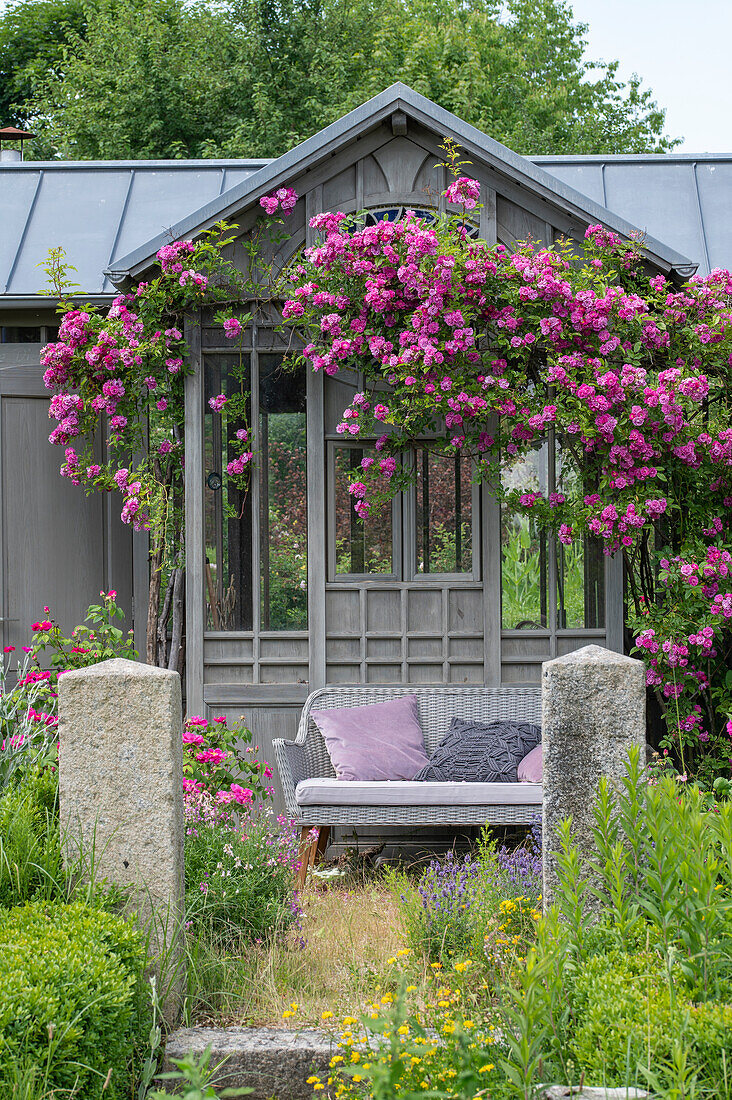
349	935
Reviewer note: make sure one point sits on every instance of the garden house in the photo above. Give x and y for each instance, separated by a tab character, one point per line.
287	589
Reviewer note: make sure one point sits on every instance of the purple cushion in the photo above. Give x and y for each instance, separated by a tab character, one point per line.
377	741
530	768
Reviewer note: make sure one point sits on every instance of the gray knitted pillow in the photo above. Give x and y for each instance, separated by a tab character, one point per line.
479	752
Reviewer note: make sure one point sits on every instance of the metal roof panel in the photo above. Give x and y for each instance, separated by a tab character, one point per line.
95	211
586	178
78	211
17	193
661	200
714	181
162	196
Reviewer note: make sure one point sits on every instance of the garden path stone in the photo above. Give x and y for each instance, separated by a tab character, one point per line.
121	794
273	1061
593	713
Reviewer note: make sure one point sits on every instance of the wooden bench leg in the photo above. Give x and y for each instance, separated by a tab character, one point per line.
308	849
312	849
323	838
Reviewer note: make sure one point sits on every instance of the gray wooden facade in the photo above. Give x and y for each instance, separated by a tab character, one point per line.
405	627
398	626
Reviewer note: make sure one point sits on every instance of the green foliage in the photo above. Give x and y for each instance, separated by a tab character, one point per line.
33	34
196	1080
633	991
28	720
98	638
30	848
162	78
70	983
622	1004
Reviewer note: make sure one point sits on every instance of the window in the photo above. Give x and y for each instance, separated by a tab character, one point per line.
283	555
228	512
444	513
21	334
427	530
256	541
362	546
545	585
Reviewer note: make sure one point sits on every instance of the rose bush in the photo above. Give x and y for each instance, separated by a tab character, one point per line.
494	355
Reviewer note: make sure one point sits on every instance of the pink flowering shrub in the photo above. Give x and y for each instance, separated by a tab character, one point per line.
282	200
240	873
221	763
501	353
124	367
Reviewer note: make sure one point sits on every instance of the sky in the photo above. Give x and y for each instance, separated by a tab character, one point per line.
681	50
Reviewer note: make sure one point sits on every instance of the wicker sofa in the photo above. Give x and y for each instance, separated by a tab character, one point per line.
315	799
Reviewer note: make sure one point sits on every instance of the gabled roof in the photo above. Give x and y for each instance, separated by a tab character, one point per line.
398	97
101	211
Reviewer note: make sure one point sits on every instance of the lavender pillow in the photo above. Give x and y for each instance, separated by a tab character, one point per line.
530	770
373	742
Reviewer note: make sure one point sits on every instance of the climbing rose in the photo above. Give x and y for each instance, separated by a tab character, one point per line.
465	191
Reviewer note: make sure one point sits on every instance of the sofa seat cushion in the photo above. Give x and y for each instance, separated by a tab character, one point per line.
334	792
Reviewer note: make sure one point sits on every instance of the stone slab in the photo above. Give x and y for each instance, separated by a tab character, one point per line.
593	713
121	791
272	1061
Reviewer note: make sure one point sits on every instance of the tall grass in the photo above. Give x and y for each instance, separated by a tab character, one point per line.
349	936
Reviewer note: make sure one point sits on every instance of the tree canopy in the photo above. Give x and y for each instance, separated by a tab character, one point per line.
167	78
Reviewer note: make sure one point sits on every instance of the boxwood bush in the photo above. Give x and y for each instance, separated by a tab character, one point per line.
71	996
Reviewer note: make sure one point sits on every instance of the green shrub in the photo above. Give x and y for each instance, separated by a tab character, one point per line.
30	848
622	1011
70	996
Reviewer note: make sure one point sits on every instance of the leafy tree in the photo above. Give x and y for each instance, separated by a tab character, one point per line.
33	34
160	78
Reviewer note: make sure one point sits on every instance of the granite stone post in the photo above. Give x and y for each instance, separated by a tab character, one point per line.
121	788
593	713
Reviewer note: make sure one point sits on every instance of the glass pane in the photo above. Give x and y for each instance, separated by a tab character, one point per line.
283	496
228	514
524	550
580	568
580	585
444	514
362	546
21	334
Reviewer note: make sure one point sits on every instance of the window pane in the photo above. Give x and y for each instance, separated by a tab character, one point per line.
524	550
228	514
444	514
580	568
580	585
283	499
20	334
362	546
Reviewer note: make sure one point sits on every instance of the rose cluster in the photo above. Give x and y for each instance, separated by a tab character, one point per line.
501	354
